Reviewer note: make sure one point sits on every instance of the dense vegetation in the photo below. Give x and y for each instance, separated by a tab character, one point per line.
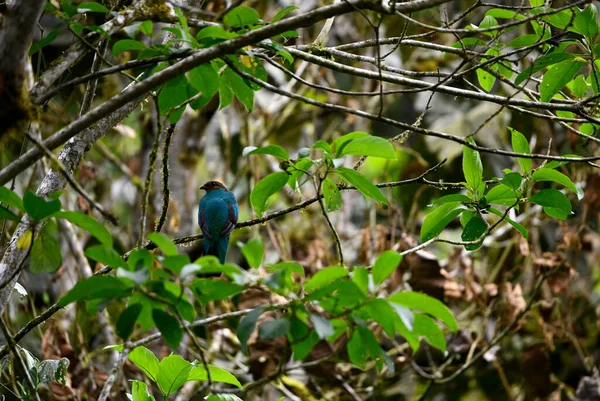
416	182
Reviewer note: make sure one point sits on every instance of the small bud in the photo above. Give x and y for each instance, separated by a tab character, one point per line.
303	152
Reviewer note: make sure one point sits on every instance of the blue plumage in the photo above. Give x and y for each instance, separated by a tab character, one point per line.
217	216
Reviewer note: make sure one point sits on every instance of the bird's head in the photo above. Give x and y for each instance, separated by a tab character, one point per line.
213	185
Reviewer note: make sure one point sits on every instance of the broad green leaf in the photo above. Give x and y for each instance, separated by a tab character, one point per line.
38	208
504	14
88	224
580	86
168	326
513	223
242	91
205	79
173	372
90	6
561	20
241	16
303	339
558	76
254	251
558	204
6	214
11	199
45	41
246	327
172	94
385	265
586	21
428	328
485	79
146	28
166	244
273	150
126	322
217	374
266	187
45	254
338	145
362	346
282	13
472	168
435	222
521	145
427	304
369	146
223	397
325	276
501	195
105	255
472	231
541	63
139	391
523	40
362	184
360	277
322	145
214	290
214	31
331	195
125	45
104	287
272	329
453	198
512	180
548	174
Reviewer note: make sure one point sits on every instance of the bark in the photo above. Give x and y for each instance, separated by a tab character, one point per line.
16	32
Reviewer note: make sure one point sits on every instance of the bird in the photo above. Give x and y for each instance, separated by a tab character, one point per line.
217	217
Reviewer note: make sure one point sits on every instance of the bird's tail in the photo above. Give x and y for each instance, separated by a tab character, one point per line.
218	248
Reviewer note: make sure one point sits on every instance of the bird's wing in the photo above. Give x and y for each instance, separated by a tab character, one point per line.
231	221
203	225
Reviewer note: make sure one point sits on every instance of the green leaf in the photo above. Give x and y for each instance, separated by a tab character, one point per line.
282	13
273	150
6	214
146	28
166	244
105	255
242	91
88	224
548	174
214	290
512	180
272	329
322	326
435	222
127	320
451	199
586	21
139	391
521	145
205	79
369	146
173	372
241	16
331	195
45	41
428	328
485	79
360	277
339	144
254	251
105	287
125	45
558	204
501	195
363	185
523	40
557	77
168	326
11	199
362	346
385	265
472	231
472	168
266	187
45	254
427	304
223	397
246	327
541	63
513	223
90	6
325	276
145	359
322	145
38	208
172	94
216	375
560	20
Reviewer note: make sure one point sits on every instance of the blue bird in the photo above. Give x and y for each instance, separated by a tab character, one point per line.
217	216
